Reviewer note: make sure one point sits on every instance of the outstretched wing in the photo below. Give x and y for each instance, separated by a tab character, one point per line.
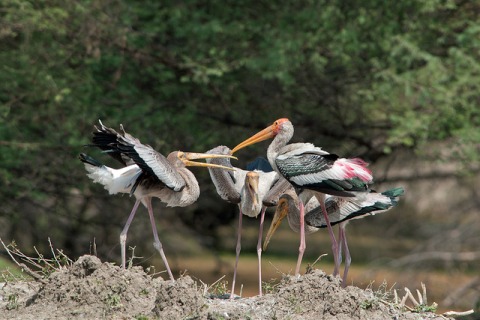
106	139
128	150
150	161
343	209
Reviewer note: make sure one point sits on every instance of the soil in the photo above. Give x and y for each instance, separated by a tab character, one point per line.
90	289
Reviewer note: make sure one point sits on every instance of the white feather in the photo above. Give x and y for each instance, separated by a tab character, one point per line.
114	180
332	173
294	149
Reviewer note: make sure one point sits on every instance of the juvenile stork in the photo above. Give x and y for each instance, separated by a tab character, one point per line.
312	171
253	191
340	211
146	174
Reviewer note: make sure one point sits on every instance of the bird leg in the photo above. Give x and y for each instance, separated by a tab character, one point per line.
259	250
341	234
157	244
123	234
348	258
301	248
237	251
321	200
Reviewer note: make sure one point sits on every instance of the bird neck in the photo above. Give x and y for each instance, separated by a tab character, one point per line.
276	145
293	215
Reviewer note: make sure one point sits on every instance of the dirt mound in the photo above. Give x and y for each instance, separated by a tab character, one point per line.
90	289
313	296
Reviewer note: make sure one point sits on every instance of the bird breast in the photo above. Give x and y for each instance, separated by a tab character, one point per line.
185	197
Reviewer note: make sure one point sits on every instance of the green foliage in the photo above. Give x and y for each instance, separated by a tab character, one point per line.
361	78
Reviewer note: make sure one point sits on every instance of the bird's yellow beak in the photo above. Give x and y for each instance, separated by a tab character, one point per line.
267	133
280	213
187	157
252	186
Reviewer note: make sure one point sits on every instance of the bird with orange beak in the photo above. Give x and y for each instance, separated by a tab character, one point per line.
313	172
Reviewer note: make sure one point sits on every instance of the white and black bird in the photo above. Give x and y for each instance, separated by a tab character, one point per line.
146	174
253	191
340	211
312	171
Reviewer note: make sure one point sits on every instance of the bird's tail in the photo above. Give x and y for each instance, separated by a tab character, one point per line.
393	194
378	202
356	167
113	180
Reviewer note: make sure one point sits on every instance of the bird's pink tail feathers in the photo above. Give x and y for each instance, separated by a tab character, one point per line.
356	167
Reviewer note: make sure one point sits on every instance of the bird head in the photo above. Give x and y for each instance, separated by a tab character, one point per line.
251	183
281	211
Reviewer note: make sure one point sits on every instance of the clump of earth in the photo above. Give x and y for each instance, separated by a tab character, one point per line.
90	289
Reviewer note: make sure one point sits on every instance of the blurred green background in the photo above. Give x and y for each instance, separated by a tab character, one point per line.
396	83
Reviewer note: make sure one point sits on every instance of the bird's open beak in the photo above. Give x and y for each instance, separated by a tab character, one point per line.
280	213
187	158
252	180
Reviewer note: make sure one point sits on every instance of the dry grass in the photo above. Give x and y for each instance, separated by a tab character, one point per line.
274	268
37	267
439	284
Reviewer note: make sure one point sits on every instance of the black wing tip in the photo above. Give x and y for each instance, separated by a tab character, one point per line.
91	161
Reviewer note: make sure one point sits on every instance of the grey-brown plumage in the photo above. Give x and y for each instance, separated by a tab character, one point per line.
253	191
146	174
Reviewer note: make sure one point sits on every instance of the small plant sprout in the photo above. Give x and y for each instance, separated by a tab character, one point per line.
130	261
270	286
381	295
113	300
218	289
12	302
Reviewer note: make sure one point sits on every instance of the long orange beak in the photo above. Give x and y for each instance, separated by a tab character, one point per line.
187	157
280	213
267	133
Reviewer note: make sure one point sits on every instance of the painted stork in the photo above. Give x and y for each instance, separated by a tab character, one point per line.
253	191
146	174
312	171
340	211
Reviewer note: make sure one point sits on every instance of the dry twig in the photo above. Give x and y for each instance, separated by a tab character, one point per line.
24	267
